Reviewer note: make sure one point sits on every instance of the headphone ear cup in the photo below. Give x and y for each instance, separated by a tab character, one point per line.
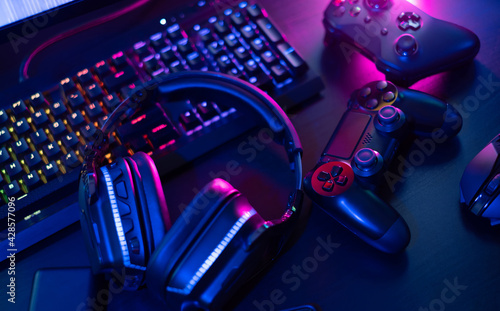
153	196
195	218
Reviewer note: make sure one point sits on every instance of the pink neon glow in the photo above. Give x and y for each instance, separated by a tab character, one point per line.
167	144
100	64
119	54
74	31
138	119
119	74
159	127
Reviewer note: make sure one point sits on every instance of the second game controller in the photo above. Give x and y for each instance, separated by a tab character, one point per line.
405	43
378	117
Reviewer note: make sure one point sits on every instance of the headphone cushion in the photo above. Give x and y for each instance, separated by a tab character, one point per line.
195	218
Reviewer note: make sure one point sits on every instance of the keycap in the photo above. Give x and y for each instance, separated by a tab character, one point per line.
205	35
174	33
241	53
21	126
235	73
4	135
93	91
224	63
215	48
84	76
13	169
57	109
76	99
102	68
12	189
141	49
20	147
237	19
115	81
254	11
50	170
167	55
67	85
111	101
140	144
162	134
206	110
70	141
129	89
292	58
19	108
184	46
38	137
33	160
279	73
247	32
37	100
176	66
4	155
93	110
88	130
268	58
40	118
151	63
189	120
157	41
32	180
231	40
76	119
269	31
119	60
70	160
257	45
3	116
52	150
221	27
57	128
195	61
150	118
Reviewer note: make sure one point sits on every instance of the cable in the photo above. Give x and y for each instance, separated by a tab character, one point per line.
23	70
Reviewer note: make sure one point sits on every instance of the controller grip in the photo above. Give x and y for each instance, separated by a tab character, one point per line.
429	114
366	215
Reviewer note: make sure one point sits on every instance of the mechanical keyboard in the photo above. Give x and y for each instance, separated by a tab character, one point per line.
42	135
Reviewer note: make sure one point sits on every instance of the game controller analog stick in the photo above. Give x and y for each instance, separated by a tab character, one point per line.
389	32
359	152
406	45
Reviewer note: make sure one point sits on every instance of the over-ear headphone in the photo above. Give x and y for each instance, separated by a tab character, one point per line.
198	264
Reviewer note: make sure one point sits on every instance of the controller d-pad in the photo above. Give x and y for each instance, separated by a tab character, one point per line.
328	186
323	176
341	180
336	170
409	20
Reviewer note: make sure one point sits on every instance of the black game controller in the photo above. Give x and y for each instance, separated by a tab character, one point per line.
405	43
379	116
480	184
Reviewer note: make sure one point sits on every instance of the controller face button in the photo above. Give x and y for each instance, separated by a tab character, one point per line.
338	2
388	115
365	158
406	45
493	185
409	20
382	85
323	176
367	19
372	103
384	31
336	170
365	92
355	10
341	180
388	96
377	4
328	186
338	12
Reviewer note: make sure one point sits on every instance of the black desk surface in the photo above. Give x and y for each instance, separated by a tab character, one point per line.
452	262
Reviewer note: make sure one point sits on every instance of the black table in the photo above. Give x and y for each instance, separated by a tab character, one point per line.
452	262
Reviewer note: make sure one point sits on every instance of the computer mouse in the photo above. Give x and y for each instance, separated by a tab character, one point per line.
480	184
